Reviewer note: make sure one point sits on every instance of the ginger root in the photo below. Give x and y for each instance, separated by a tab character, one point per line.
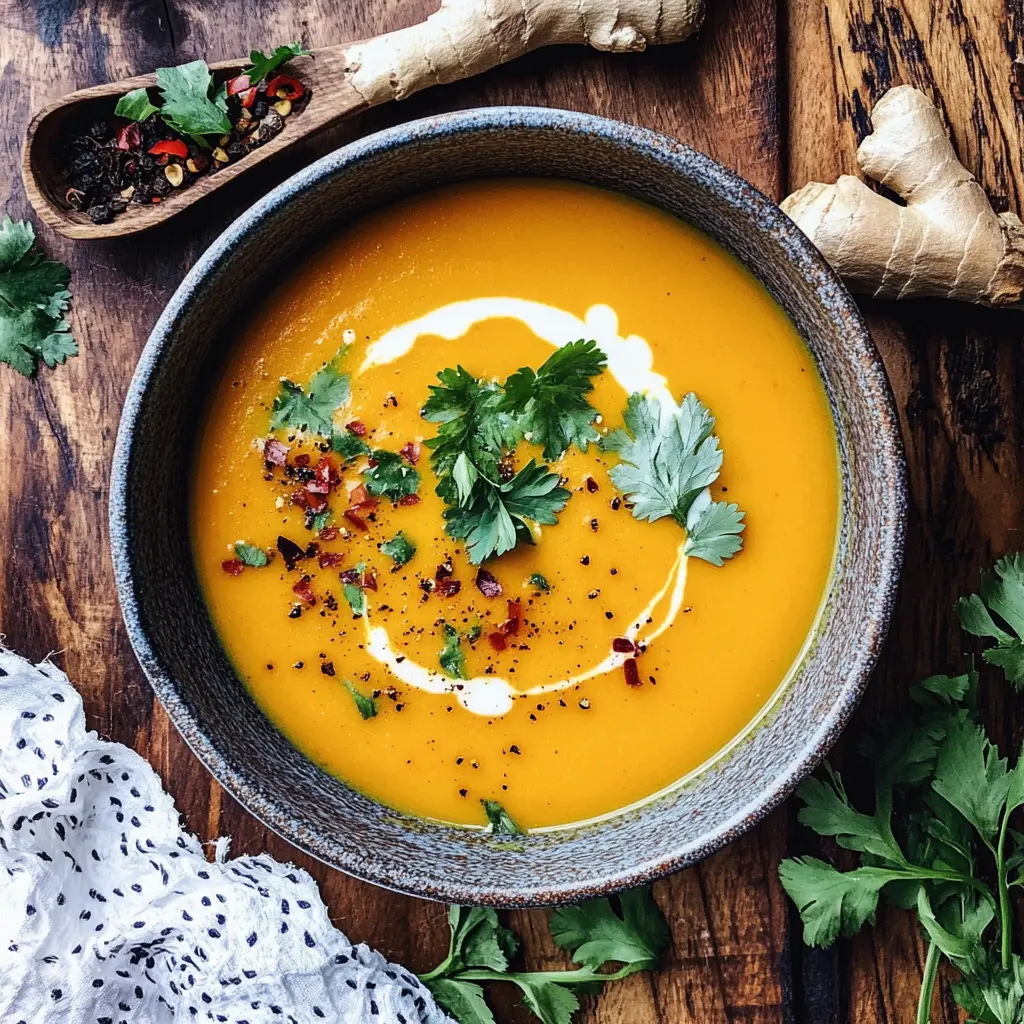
947	241
466	37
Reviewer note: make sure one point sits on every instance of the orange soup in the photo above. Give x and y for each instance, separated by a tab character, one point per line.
558	577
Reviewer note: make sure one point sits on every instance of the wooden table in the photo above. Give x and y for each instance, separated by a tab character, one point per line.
780	92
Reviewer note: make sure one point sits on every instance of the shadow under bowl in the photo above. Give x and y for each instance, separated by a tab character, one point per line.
179	651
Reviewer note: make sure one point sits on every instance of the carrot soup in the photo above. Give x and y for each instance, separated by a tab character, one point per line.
516	503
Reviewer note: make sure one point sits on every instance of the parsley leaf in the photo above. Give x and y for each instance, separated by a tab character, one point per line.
366	706
390	475
135	106
550	405
1001	603
249	554
348	445
33	300
187	107
501	821
453	661
263	64
669	460
539	581
399	548
354	593
312	409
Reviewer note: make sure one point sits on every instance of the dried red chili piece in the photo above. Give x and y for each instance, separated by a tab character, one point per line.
248	98
330	533
447	587
359	497
497	641
350	576
357	521
290	552
331	559
444	569
302	460
591	484
275	452
233	567
369	581
356	427
237	84
515	613
305	499
631	671
170	147
487	583
129	137
623	645
410	452
327	474
409	499
284	87
304	592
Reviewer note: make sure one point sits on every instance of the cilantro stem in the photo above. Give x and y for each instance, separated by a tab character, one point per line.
581	976
1005	935
931	970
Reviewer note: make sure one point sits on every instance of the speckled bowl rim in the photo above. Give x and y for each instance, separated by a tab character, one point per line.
829	290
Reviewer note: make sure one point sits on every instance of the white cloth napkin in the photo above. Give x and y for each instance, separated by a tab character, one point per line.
110	913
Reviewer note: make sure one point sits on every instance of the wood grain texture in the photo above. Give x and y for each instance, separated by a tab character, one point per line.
735	954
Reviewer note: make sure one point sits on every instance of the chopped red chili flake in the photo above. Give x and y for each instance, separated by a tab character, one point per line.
444	569
357	521
356	427
350	576
306	499
233	567
304	592
330	533
170	147
327	474
359	497
285	87
488	584
409	499
238	84
129	137
331	559
369	581
410	452
515	614
632	673
302	460
591	484
623	645
447	587
497	641
248	98
275	452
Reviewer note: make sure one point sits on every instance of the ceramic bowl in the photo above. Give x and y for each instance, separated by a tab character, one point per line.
180	653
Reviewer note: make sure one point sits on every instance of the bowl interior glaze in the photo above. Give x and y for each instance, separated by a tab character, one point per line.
180	653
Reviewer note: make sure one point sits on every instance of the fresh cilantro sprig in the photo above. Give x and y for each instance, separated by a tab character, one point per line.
34	297
366	706
669	460
188	104
390	476
312	408
262	64
452	658
630	932
249	554
938	839
399	549
502	823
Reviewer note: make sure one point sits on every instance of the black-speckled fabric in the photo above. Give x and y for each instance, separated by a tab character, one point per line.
111	913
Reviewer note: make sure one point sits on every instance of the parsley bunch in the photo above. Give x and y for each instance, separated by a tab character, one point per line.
596	934
938	839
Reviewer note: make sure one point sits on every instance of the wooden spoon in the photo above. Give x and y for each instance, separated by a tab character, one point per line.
461	39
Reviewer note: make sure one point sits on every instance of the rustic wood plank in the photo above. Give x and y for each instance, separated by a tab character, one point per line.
954	371
718	92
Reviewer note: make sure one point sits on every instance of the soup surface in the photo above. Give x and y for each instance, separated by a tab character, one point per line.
615	659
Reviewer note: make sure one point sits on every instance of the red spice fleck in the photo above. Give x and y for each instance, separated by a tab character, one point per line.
331	559
515	614
447	587
238	84
591	484
356	427
409	499
444	569
623	645
330	533
169	147
233	567
130	136
314	502
410	452
632	673
286	87
304	592
275	452
302	460
350	576
369	581
497	641
357	521
488	584
327	474
359	497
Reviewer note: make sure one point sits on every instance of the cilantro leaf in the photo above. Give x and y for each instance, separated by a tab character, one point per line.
135	105
355	594
399	548
1000	603
262	64
33	300
187	107
550	405
348	445
463	1000
502	823
453	661
538	581
669	459
390	475
311	408
366	706
249	554
551	1002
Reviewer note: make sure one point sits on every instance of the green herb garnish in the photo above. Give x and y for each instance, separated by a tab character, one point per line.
263	64
321	520
34	297
366	706
943	797
311	408
188	105
1000	604
453	661
390	476
135	106
669	459
348	445
550	406
354	593
631	932
539	582
400	549
501	821
249	554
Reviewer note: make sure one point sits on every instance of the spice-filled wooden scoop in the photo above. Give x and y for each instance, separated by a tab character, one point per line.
461	39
